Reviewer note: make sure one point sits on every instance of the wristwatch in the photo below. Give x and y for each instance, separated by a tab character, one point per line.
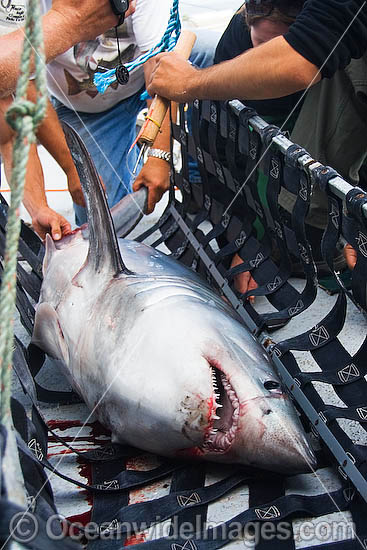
160	154
120	7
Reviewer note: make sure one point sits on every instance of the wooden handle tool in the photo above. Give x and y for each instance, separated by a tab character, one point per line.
160	105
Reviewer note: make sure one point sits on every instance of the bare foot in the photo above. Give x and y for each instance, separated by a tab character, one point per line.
350	255
243	281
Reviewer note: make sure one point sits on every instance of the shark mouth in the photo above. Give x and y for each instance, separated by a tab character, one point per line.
225	416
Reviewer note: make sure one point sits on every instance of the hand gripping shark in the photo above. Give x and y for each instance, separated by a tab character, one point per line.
160	358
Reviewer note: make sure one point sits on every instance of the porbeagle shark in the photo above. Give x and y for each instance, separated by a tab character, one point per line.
161	359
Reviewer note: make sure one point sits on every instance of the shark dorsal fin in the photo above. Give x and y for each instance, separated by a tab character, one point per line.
127	213
103	253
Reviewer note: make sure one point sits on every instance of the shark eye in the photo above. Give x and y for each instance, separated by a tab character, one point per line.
271	385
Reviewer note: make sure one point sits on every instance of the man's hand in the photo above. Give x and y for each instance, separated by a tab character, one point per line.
47	220
85	19
173	77
243	281
155	177
350	255
64	25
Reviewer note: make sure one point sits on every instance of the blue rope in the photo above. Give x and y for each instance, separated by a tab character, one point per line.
103	80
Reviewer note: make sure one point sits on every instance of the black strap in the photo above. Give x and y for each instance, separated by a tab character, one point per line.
282	508
129	478
357	236
41	540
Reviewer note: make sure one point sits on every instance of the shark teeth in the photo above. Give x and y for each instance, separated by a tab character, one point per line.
225	417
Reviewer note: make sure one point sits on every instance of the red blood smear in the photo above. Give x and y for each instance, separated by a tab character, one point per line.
98	429
77	230
135	539
140	497
64	424
81	519
84	518
88	497
68	439
83	439
211	411
142	462
85	470
61	452
65	451
189	453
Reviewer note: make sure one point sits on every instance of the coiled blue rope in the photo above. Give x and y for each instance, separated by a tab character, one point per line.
103	80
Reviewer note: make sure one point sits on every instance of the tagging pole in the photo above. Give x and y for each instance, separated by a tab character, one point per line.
160	105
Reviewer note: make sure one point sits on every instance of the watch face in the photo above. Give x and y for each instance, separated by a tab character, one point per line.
120	6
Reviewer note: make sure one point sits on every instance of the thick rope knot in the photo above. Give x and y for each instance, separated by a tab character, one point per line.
17	113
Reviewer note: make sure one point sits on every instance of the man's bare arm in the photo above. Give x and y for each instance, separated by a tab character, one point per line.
271	70
67	23
51	136
44	219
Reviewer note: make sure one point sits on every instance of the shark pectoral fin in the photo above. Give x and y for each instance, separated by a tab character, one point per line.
127	213
50	250
48	335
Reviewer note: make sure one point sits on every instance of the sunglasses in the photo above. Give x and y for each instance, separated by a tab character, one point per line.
264	8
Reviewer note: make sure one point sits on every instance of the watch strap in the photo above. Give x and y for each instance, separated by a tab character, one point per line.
160	154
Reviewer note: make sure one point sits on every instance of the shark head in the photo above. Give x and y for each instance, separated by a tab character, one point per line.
200	386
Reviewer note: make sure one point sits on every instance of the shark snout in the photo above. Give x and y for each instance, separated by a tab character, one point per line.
274	437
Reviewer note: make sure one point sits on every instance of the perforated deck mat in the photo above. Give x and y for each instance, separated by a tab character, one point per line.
244	164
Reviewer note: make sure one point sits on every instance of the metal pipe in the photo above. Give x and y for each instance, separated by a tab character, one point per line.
339	187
